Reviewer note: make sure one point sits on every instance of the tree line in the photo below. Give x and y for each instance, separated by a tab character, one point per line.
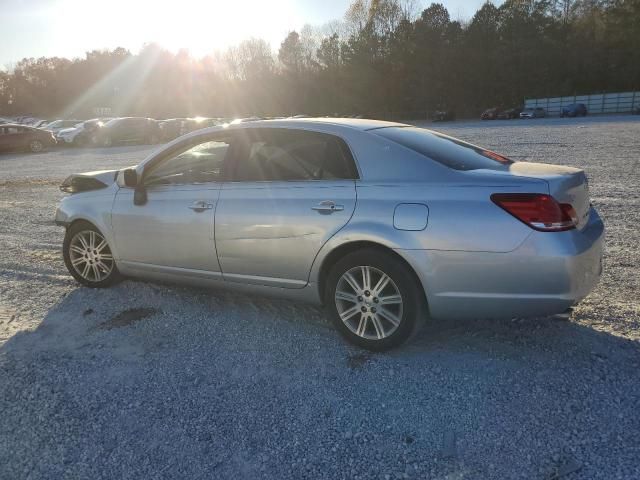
385	59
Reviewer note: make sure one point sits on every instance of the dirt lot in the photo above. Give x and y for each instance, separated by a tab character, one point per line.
152	381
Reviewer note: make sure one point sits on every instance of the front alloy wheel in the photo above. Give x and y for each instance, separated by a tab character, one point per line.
374	299
88	256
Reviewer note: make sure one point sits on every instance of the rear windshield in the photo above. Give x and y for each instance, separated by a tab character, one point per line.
448	151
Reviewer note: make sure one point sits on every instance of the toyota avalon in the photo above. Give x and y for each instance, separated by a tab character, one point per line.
385	224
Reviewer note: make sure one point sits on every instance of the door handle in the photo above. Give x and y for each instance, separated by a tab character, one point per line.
200	206
328	206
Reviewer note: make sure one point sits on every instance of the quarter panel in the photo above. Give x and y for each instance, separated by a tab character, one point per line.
460	217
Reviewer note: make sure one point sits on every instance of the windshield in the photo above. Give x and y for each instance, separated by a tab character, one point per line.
445	150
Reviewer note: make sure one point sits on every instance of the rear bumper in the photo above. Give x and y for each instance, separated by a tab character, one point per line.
545	275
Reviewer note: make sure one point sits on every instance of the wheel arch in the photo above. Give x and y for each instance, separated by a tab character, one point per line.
344	249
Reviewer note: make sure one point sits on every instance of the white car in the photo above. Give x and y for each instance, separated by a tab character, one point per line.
81	133
68	135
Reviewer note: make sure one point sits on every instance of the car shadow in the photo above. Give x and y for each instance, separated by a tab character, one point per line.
223	311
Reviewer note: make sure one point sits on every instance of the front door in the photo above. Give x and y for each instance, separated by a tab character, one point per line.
174	230
289	192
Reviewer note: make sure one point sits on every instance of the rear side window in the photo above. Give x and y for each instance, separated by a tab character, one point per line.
290	155
445	150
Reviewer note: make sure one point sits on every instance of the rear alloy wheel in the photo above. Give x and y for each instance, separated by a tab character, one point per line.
88	256
36	146
374	300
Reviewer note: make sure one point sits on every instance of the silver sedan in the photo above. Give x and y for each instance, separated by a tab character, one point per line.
385	224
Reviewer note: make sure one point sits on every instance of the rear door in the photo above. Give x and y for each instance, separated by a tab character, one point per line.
289	192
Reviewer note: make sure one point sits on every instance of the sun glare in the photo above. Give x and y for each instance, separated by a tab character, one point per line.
199	26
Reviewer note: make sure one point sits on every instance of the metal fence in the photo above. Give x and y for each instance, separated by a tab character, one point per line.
623	102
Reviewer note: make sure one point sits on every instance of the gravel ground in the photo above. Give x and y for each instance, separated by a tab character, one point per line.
155	381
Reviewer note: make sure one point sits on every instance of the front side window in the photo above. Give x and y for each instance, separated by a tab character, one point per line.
291	155
202	163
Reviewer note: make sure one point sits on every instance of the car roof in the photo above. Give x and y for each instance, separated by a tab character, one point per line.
362	124
334	126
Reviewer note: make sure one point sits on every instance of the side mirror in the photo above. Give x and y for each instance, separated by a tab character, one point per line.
131	177
140	195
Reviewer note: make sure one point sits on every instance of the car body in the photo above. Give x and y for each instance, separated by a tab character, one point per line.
490	114
58	125
509	113
82	133
533	112
16	137
574	110
137	130
279	206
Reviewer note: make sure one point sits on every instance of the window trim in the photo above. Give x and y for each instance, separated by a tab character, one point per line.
231	162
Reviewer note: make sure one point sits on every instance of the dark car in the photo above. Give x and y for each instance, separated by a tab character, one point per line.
138	130
443	116
509	113
574	110
489	114
15	137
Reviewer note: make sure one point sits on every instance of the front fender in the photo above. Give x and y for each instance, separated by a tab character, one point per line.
92	207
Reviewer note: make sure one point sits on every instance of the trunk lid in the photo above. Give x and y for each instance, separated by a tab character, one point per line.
566	184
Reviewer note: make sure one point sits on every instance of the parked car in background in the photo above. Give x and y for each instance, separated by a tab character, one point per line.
443	116
196	123
58	125
170	128
386	224
537	112
82	133
16	137
574	110
137	130
509	113
489	114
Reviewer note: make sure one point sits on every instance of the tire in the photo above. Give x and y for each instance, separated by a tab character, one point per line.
367	323
89	264
36	146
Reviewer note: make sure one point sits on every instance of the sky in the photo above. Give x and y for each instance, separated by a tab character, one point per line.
69	28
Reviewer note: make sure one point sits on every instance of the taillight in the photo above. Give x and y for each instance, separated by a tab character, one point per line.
539	211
